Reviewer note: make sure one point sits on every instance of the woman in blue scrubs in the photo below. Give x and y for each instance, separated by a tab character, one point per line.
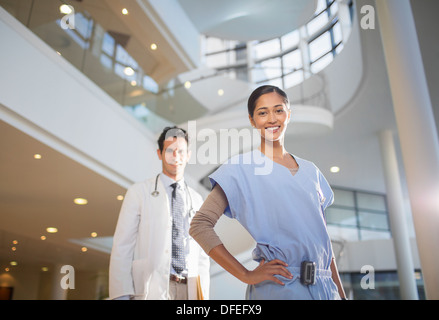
280	199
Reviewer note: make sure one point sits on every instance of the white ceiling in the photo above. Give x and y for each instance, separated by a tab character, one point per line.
245	20
35	194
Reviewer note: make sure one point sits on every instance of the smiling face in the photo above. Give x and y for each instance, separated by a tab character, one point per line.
174	157
271	116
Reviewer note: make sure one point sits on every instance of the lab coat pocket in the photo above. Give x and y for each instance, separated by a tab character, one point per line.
141	277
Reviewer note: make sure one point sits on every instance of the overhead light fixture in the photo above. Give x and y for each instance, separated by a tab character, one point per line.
119	197
84	249
125	11
153	46
80	201
44	269
94	234
187	84
13	263
43	238
37	156
220	92
52	230
335	169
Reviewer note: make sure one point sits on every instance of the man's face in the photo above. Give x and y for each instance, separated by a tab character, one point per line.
174	157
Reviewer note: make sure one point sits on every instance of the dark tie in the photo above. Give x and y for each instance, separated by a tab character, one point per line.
178	256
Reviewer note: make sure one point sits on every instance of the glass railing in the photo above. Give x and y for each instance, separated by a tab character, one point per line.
98	53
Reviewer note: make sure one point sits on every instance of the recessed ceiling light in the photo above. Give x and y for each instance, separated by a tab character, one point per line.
52	230
220	92
84	249
153	46
94	234
44	269
187	84
37	156
80	201
119	197
335	169
43	238
128	71
125	11
13	263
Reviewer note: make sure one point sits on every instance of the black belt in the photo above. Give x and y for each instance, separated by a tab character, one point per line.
178	279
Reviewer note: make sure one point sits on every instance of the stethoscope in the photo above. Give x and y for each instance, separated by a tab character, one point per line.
156	193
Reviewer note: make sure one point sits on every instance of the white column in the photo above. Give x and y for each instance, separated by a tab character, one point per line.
397	217
416	129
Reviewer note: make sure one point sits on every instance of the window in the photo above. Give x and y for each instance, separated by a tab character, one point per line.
287	60
357	215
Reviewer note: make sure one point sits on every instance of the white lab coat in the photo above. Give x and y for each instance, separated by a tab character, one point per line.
141	255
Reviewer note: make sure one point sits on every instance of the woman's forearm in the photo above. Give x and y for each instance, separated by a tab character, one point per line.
226	260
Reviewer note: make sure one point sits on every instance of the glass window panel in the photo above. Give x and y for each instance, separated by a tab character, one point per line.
150	85
336	30
341	216
373	220
320	46
258	74
334	8
371	201
106	61
217	60
290	40
124	58
272	68
214	45
266	49
83	25
293	79
372	234
339	48
344	198
239	54
322	63
317	23
108	44
321	5
348	234
292	61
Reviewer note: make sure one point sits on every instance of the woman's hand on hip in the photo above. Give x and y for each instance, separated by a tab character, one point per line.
267	271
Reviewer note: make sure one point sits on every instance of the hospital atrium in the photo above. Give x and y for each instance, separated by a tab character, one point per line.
86	87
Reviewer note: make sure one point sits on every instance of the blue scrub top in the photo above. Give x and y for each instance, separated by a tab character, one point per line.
283	213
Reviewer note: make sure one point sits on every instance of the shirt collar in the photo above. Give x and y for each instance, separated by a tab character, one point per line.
168	181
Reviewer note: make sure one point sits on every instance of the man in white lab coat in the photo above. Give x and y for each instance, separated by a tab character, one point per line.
140	263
